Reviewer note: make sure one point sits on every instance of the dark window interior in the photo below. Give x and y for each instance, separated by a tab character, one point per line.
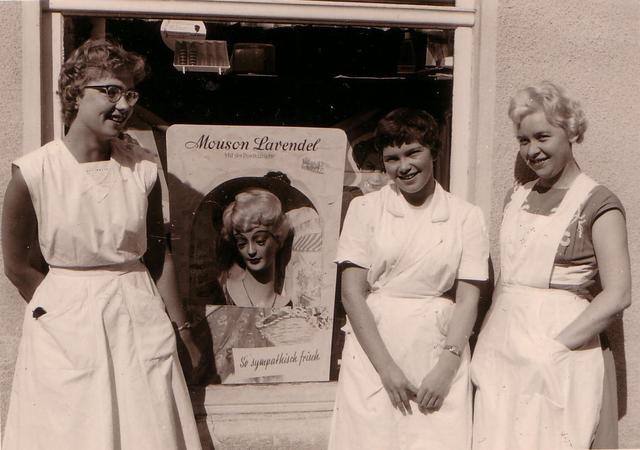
321	76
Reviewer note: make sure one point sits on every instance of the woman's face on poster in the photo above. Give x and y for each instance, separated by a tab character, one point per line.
258	248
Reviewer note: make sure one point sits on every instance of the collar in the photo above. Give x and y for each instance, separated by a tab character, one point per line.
396	205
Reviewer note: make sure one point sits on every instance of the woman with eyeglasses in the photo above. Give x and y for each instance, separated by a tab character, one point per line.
97	364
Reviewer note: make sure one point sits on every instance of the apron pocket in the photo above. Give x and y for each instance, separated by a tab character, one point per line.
65	336
443	313
56	296
537	365
554	366
152	328
556	347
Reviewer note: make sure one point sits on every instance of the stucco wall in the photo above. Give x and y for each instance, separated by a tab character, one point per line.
592	48
11	120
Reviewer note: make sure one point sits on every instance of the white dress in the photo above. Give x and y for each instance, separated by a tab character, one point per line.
533	393
99	369
413	255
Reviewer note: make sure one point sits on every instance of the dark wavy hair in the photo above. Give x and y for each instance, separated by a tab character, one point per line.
406	126
94	59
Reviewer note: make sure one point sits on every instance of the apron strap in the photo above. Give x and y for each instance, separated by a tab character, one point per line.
528	258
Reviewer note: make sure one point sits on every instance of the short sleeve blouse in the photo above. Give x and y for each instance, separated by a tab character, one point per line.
575	253
415	252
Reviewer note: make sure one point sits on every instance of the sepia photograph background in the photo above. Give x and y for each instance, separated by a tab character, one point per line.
346	76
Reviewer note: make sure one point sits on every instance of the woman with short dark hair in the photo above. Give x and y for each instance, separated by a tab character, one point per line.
404	379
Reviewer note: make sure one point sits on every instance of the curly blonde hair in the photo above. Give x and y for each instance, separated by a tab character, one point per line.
559	109
255	207
94	59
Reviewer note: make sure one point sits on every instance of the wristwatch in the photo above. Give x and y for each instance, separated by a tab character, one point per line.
453	349
185	326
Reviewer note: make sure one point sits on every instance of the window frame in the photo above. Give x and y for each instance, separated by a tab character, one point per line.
43	58
462	18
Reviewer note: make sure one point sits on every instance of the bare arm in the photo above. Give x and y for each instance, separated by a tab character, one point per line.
159	261
612	253
19	234
354	292
436	384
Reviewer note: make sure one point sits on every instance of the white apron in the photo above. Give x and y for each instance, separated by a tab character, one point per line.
533	392
413	331
99	369
413	258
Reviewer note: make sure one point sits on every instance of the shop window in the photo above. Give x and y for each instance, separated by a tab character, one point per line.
293	75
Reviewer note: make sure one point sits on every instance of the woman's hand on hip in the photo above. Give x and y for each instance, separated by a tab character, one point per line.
399	388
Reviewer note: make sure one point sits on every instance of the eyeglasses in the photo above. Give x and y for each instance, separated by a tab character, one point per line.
114	93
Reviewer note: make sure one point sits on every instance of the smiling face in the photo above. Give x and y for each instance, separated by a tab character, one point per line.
410	166
258	248
97	113
544	147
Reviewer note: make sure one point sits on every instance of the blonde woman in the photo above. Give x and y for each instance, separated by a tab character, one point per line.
257	227
538	365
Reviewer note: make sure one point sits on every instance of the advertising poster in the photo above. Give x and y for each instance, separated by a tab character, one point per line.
255	215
